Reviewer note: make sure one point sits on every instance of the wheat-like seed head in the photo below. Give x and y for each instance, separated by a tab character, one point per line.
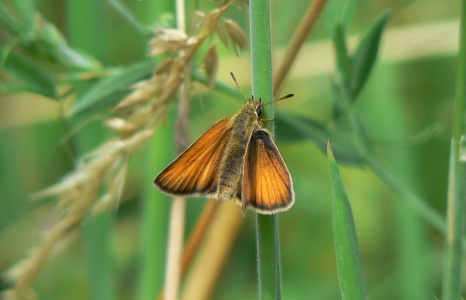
97	182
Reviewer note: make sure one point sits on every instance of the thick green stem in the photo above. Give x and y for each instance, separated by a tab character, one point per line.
154	215
456	194
268	248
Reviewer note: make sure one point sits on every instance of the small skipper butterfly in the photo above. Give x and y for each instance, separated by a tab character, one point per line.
235	159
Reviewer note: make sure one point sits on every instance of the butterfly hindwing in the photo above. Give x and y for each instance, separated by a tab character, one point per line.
267	185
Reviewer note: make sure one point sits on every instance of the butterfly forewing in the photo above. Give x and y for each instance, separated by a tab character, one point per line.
267	185
194	172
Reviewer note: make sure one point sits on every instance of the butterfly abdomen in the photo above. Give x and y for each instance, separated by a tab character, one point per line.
232	163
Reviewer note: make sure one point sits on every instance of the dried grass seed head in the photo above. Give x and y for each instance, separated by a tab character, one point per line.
236	34
210	63
168	40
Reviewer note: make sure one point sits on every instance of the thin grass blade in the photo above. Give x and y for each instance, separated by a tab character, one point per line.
366	53
451	288
99	94
352	284
31	78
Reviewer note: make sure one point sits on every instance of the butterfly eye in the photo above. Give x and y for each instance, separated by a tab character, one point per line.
259	110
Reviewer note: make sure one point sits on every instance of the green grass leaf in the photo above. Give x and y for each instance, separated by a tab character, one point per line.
30	77
27	14
453	257
339	12
455	219
7	20
365	55
341	52
128	15
296	128
350	272
100	94
51	44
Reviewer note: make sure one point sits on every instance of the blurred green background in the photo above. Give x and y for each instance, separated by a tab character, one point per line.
406	107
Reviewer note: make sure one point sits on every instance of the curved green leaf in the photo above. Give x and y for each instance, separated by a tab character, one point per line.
350	274
341	52
296	128
366	53
101	94
339	12
27	14
30	77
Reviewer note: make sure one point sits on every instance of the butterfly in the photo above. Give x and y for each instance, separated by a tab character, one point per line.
235	159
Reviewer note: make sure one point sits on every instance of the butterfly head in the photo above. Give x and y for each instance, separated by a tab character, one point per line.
256	106
253	104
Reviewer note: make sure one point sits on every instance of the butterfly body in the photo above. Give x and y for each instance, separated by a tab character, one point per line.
235	159
243	124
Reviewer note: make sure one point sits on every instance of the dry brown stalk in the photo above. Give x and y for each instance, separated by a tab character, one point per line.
216	246
302	32
178	205
196	237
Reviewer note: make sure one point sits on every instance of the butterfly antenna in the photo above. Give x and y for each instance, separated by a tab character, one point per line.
237	85
279	99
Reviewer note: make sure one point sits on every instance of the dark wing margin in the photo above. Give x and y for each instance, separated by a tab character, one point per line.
194	172
267	184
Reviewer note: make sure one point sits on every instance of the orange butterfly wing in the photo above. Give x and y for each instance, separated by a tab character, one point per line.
267	185
194	172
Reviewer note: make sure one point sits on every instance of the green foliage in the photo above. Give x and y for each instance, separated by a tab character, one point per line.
362	62
27	75
454	243
371	108
298	127
350	272
108	90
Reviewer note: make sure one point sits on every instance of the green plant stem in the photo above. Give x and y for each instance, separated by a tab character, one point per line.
268	238
154	216
126	14
86	31
155	206
268	257
98	238
456	194
416	203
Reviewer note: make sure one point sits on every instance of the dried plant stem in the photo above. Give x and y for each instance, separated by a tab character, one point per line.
175	243
307	23
216	245
198	233
176	231
196	237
